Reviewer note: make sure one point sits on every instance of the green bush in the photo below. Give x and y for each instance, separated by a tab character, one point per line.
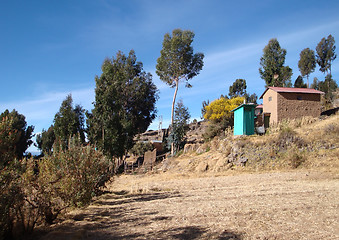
296	159
11	197
140	148
76	174
36	191
214	129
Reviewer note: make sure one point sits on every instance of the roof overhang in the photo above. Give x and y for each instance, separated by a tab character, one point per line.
244	105
292	90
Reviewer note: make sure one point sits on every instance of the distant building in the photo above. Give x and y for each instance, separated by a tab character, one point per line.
290	103
258	110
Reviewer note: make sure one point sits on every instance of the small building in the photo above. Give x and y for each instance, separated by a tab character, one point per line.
259	110
244	119
290	103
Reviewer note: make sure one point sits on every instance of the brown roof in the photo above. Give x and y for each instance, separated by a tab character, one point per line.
292	90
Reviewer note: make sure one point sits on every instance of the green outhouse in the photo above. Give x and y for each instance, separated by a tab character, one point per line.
244	119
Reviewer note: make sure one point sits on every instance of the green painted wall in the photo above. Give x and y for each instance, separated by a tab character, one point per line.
249	120
238	121
244	120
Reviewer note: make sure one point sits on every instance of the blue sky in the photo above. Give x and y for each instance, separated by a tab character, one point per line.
49	49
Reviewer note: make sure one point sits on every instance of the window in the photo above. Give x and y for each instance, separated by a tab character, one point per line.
269	99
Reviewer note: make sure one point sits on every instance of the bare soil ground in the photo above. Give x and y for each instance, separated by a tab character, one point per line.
297	204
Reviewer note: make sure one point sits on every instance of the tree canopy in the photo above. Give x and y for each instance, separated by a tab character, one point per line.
306	63
272	68
238	88
221	108
68	122
328	87
299	83
45	140
15	135
124	106
180	126
177	61
326	53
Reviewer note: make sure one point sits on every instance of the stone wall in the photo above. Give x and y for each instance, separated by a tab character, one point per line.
149	159
297	105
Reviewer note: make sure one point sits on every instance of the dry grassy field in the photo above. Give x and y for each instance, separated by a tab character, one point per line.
275	205
199	197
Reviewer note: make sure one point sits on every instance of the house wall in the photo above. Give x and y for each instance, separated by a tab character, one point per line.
270	101
296	105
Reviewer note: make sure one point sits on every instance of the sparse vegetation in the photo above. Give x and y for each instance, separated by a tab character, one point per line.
37	191
176	140
296	158
140	148
290	144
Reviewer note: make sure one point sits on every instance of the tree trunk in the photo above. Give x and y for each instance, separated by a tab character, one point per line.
308	86
172	114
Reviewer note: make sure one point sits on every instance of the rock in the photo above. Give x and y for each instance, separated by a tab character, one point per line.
190	147
201	149
242	161
202	167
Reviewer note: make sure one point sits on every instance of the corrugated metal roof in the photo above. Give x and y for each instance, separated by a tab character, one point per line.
244	105
292	90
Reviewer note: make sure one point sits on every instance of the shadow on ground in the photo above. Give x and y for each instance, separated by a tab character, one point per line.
113	217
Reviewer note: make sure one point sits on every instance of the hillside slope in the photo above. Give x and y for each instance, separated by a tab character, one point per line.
304	143
188	198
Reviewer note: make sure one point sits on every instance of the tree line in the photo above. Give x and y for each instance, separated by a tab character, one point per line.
76	159
274	72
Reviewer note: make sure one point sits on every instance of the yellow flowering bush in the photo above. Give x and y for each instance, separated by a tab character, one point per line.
220	108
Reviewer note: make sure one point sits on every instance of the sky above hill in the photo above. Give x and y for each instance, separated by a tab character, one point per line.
49	49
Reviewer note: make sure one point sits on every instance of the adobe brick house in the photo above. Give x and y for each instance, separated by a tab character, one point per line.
282	103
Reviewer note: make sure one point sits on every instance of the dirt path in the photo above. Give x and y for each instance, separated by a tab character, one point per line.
290	205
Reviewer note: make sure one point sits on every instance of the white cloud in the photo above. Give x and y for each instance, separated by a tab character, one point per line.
309	33
40	112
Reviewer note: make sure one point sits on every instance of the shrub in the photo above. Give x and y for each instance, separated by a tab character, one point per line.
331	129
296	159
288	137
220	108
140	148
213	130
11	197
67	178
177	137
77	173
219	116
42	191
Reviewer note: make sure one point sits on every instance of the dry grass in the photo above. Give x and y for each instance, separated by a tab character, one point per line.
302	143
289	205
200	196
